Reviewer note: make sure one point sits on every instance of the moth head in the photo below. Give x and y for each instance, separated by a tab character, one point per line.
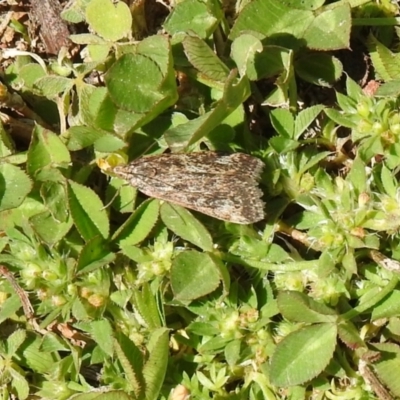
121	171
130	171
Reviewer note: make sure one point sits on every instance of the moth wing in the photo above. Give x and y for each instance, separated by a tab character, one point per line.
242	210
209	162
222	186
235	199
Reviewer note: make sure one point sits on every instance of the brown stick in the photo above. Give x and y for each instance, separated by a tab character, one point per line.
26	304
53	30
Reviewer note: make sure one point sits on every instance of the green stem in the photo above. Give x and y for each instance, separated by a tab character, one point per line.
373	301
375	21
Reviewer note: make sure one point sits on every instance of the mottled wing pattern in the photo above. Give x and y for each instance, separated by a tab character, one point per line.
222	186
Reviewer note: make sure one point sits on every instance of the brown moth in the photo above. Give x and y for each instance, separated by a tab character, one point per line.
222	186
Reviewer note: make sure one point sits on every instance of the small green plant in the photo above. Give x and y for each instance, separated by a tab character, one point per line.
374	123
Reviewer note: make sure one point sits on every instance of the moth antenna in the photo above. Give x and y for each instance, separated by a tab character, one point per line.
117	192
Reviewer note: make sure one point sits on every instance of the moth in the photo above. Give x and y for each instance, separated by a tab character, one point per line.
220	185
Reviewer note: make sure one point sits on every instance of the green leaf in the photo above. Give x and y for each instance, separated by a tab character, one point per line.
387	365
305	118
88	38
282	145
269	17
194	16
113	22
215	344
353	90
6	144
358	176
314	160
185	225
19	383
348	334
79	137
389	89
46	149
94	254
244	51
274	61
54	197
258	62
99	52
204	59
109	143
48	228
131	360
10	307
298	307
387	308
158	49
223	272
31	73
136	92
87	211
102	333
136	254
319	69
35	358
52	342
96	108
146	304
347	104
74	12
340	118
389	182
303	355
193	275
302	5
235	93
232	353
179	136
123	196
156	366
330	29
285	92
52	86
384	61
15	185
203	329
152	88
283	122
370	147
14	341
373	297
139	225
